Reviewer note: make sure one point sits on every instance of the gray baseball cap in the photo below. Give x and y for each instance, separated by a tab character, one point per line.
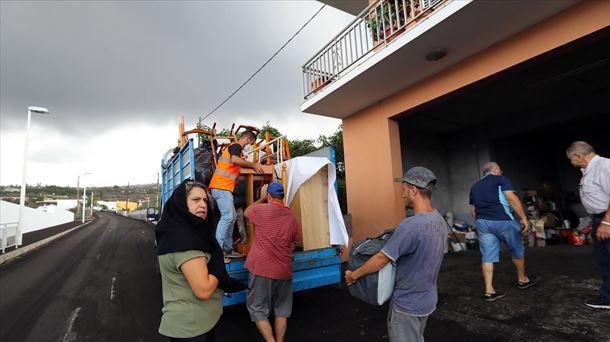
420	177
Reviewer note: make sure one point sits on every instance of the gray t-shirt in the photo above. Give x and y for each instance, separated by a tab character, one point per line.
417	247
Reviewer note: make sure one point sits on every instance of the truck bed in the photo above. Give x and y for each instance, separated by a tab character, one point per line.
310	269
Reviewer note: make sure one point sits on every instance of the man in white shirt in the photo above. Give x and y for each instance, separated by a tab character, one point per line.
595	197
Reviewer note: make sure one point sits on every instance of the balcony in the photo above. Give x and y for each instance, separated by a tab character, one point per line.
393	44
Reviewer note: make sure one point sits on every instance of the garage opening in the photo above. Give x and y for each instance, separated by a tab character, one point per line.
522	118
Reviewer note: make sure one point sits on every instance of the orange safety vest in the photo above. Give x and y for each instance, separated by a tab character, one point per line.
226	173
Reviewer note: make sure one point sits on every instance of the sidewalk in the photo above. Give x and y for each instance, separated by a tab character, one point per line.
39	238
35	236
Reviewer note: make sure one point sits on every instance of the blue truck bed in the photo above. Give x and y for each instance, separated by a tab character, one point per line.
310	269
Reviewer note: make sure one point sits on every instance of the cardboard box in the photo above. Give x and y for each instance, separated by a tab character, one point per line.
457	236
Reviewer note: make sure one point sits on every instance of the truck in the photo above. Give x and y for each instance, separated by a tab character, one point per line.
311	268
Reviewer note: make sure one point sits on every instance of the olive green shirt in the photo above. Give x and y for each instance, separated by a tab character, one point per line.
183	314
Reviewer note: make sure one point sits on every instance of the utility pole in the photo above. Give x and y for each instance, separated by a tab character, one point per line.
91	202
158	188
127	201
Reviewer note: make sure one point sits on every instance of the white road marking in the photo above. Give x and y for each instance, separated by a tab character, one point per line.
112	293
68	336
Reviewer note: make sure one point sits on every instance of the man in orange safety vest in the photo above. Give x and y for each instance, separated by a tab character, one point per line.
222	186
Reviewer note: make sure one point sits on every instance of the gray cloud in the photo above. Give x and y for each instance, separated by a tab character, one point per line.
101	64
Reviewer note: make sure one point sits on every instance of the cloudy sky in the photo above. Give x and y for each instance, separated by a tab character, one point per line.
116	75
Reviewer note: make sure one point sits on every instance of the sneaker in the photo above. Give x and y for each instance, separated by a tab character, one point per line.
233	254
490	297
598	303
527	284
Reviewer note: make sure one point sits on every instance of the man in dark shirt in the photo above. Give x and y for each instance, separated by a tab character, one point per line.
491	199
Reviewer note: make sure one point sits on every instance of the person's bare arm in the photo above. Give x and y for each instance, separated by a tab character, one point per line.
201	282
473	212
374	264
515	203
262	199
603	230
244	163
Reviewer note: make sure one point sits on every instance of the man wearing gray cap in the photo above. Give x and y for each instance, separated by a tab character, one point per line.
417	248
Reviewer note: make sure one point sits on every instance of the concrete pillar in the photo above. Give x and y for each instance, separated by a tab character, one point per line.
372	162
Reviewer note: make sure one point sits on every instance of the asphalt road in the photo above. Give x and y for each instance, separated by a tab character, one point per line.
98	283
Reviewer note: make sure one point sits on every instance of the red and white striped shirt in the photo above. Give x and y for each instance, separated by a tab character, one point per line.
275	228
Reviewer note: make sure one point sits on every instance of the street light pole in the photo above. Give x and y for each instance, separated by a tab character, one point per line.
84	201
77	197
84	195
19	232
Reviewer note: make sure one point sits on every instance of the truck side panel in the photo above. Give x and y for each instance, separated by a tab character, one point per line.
310	269
176	170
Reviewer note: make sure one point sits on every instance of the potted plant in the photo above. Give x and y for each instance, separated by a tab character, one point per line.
386	17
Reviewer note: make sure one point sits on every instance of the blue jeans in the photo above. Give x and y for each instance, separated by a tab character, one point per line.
602	257
224	231
492	232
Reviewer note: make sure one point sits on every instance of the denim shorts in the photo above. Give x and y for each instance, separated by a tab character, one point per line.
491	233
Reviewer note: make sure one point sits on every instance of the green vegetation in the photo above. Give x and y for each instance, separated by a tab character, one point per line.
143	193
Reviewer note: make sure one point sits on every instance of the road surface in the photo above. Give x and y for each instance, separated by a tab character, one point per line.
98	283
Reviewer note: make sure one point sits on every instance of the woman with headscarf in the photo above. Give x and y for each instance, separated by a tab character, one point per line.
191	262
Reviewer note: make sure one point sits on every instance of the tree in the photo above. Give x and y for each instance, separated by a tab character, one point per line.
202	137
301	147
336	141
225	132
273	132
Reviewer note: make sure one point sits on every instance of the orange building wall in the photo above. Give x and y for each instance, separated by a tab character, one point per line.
371	137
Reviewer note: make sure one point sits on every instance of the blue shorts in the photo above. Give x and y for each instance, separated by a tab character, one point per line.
491	233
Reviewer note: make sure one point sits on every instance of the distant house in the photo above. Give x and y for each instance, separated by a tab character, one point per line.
59	203
121	205
110	205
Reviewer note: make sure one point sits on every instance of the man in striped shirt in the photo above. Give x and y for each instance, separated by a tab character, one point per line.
276	231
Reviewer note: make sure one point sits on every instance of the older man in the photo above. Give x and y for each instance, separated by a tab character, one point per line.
417	247
491	199
595	197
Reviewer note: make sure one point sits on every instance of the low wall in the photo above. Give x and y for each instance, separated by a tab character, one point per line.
34	219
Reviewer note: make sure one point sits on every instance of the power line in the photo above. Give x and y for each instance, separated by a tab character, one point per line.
267	62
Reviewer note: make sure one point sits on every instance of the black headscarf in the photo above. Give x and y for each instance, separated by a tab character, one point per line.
178	230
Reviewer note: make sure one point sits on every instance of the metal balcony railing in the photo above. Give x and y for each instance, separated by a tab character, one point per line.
372	29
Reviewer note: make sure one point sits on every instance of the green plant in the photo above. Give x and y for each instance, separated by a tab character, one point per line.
379	17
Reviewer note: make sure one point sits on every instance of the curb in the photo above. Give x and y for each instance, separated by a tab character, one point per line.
20	251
